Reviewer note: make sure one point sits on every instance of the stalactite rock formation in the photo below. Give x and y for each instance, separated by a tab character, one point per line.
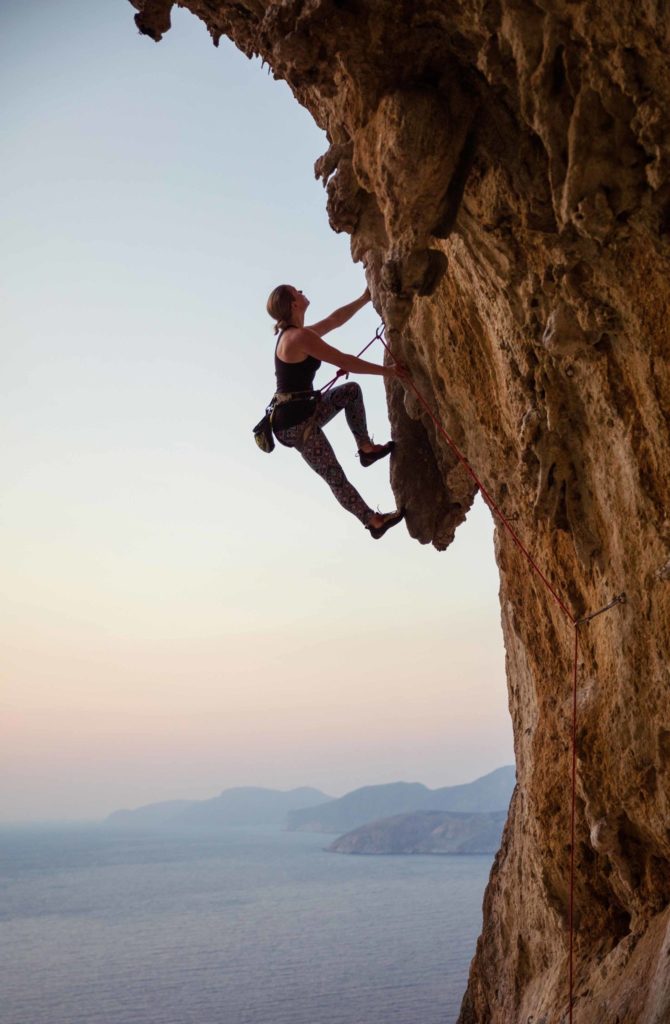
502	169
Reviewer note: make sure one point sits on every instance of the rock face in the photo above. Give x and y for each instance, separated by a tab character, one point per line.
502	169
425	832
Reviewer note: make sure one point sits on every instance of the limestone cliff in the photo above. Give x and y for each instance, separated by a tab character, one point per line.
502	169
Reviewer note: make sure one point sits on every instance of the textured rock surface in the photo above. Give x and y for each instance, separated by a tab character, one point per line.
502	169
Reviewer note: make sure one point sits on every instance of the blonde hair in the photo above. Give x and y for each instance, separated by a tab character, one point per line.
279	306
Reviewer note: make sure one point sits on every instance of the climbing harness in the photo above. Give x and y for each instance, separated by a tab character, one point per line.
576	623
263	433
294	396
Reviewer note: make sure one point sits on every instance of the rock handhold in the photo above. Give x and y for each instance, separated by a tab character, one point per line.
153	17
418	273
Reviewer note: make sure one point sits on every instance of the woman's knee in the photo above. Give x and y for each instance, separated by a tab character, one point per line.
352	390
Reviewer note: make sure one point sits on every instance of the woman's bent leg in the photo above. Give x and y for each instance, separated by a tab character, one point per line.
318	453
350	398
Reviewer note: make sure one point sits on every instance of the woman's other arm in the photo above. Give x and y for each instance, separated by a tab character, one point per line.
340	316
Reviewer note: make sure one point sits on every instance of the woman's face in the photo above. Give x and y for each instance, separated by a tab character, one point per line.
300	301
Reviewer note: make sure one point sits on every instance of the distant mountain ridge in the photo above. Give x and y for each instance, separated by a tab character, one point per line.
487	794
310	810
434	832
242	805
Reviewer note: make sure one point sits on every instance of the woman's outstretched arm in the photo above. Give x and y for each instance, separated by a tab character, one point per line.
341	315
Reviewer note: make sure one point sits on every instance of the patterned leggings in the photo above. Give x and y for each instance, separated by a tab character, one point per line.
316	450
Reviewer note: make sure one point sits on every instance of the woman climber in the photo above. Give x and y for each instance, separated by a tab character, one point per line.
301	412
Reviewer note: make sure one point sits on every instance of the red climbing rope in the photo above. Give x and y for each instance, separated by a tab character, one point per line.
575	623
343	373
571	907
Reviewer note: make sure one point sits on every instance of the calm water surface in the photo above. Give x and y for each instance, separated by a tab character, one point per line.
248	927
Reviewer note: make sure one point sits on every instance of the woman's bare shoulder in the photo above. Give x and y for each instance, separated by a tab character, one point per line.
296	343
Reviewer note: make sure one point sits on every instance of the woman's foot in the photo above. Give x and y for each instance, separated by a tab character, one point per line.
380	522
369	453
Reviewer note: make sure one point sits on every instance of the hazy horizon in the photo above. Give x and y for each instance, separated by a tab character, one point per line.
178	607
279	789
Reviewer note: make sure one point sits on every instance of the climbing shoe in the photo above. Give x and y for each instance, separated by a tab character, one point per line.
389	519
367	458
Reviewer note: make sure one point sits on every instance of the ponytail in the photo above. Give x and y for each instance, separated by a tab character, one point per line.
279	306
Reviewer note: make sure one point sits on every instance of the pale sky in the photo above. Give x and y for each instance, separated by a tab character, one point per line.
180	612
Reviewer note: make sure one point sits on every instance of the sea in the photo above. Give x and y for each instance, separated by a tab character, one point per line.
247	926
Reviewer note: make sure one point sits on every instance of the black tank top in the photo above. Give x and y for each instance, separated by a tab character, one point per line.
294	377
